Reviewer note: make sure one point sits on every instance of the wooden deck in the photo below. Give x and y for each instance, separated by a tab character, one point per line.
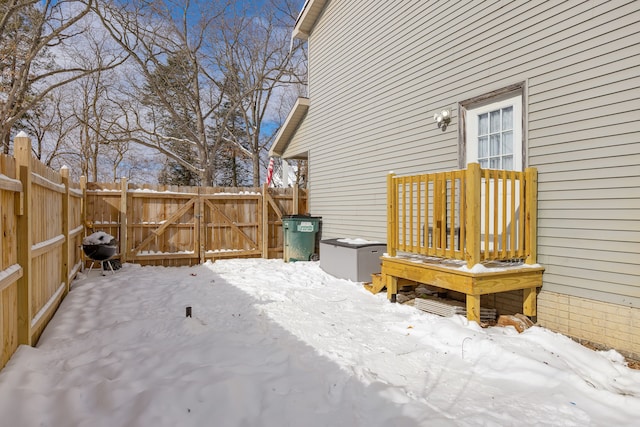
471	231
443	274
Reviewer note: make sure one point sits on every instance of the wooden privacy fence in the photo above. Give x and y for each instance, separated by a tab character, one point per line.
176	225
475	214
44	217
40	218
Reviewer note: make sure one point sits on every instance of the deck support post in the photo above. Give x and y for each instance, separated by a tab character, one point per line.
473	308
473	216
531	216
529	306
392	286
392	224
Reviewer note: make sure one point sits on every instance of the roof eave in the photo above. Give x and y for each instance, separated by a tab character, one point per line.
307	19
289	127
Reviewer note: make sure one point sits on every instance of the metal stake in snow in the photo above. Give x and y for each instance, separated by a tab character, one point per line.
188	311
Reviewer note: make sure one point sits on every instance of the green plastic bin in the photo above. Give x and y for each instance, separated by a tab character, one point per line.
300	237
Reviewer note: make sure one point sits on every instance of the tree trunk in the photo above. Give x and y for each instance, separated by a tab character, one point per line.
5	143
256	170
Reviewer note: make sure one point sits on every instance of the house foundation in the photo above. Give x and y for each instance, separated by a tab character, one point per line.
604	324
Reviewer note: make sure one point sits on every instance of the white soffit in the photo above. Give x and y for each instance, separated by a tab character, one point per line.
307	18
289	127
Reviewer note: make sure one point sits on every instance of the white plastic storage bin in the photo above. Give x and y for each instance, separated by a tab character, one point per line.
352	259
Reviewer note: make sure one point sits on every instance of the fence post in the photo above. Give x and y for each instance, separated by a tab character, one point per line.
83	214
531	215
66	200
265	221
391	215
296	201
202	226
124	186
22	153
473	215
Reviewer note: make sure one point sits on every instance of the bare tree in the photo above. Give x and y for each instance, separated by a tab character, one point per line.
73	123
139	165
178	97
34	36
94	110
260	60
51	124
209	80
206	80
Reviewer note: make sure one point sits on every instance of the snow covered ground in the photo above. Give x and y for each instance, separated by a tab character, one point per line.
275	344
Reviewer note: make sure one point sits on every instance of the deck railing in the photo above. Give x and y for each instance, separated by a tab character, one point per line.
475	214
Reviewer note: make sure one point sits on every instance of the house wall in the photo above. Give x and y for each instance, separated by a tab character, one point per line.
378	71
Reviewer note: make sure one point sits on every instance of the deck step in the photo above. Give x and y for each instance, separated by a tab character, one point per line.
376	284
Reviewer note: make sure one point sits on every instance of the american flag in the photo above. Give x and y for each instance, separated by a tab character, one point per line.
270	171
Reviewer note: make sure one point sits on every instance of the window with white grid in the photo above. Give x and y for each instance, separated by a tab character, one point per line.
494	134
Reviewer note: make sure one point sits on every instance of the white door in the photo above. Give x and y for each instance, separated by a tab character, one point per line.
494	140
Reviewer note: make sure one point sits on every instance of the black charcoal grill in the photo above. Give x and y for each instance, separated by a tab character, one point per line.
101	252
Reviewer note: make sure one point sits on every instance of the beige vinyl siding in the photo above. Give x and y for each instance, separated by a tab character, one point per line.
584	138
378	71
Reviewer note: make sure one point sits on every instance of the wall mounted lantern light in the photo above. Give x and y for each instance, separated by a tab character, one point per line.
443	118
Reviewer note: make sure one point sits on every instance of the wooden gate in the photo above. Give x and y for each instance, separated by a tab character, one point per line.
231	224
162	225
172	225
